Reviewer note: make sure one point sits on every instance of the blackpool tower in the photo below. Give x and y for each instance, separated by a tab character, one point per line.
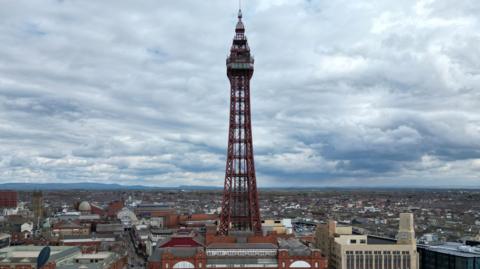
240	209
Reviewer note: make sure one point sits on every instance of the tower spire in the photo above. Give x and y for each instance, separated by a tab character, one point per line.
240	28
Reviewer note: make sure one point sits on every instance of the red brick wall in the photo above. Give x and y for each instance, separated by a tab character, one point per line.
213	238
8	199
120	263
97	210
285	259
87	247
49	265
150	265
21	266
199	260
272	238
113	208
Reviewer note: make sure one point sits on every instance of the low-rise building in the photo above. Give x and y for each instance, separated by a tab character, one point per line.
25	257
168	215
189	251
100	260
62	229
110	228
64	257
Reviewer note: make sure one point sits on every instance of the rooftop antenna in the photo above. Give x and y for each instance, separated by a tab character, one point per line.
240	9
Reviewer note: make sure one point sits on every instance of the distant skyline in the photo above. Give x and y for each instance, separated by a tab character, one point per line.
380	93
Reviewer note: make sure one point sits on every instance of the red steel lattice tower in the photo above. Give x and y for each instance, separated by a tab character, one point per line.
240	209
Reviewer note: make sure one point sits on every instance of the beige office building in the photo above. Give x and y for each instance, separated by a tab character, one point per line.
283	226
348	251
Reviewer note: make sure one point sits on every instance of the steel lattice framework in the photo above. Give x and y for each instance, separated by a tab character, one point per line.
240	209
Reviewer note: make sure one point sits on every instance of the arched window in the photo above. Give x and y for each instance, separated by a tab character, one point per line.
181	265
300	264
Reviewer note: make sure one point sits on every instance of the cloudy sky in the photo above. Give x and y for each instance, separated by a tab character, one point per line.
345	93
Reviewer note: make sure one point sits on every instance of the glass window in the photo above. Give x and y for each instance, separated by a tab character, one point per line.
387	260
397	260
350	261
360	264
369	261
378	260
406	261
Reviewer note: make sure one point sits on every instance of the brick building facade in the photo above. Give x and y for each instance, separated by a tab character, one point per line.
8	199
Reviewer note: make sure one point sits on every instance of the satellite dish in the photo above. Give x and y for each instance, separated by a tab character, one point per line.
43	257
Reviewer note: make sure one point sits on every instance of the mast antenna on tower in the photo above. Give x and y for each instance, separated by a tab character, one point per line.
239	9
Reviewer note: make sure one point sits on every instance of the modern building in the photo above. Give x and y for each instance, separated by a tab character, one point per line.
346	250
8	199
449	256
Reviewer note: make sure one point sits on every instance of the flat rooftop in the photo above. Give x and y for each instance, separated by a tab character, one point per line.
99	255
29	254
454	249
241	246
4	236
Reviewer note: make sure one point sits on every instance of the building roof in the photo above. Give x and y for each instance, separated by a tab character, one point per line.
84	206
98	260
153	207
4	236
180	242
29	254
454	249
99	255
68	225
243	261
107	227
180	252
201	217
378	240
294	247
162	231
242	246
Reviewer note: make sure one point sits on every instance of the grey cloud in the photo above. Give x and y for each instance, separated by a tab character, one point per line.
384	92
